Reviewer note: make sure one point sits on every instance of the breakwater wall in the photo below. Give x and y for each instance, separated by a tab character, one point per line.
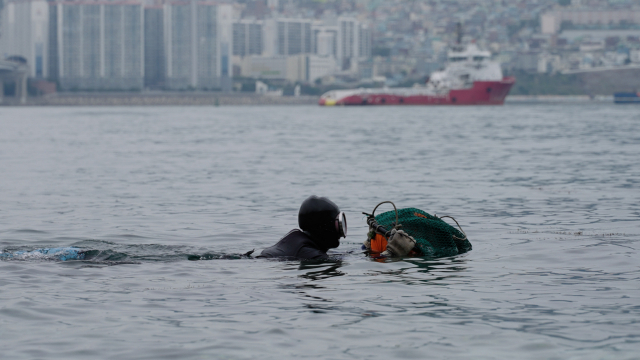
515	99
610	81
160	99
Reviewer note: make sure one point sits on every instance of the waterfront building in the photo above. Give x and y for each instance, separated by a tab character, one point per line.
154	49
263	67
326	44
285	36
24	33
347	41
551	22
247	37
294	68
354	43
198	45
364	42
319	66
325	39
96	45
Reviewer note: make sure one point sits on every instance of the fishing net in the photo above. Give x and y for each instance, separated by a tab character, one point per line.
434	237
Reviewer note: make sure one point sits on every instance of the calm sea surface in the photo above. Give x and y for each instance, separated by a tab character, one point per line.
549	196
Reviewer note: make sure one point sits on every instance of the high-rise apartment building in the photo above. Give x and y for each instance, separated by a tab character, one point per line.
24	32
169	44
154	59
364	42
198	45
348	38
97	45
125	45
247	37
284	36
325	39
354	42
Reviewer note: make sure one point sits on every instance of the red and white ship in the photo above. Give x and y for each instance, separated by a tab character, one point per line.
470	78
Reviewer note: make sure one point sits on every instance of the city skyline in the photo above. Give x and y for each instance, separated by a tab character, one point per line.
181	45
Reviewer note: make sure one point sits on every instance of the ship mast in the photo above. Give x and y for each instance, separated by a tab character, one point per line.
458	46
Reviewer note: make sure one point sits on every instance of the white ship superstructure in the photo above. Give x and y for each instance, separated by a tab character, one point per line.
465	65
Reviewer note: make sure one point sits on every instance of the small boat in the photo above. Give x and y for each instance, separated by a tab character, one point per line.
626	98
470	78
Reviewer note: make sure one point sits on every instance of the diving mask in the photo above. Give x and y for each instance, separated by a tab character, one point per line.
341	225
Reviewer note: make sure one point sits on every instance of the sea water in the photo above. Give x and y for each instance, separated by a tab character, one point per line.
547	194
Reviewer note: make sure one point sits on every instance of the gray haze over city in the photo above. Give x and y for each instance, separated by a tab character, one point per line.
279	47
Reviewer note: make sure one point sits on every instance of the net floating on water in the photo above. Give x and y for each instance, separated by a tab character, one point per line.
434	237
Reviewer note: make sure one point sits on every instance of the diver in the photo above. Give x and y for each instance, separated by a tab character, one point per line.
322	224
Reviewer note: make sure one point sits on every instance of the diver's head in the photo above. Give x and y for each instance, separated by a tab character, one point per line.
321	218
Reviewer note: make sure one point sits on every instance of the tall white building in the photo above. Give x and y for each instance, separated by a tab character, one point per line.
354	43
198	38
364	41
247	37
286	36
154	64
97	45
325	39
24	32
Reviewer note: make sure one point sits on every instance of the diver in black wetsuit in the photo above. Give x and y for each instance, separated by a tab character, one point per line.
322	224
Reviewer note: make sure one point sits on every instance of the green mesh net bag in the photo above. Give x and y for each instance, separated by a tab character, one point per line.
434	237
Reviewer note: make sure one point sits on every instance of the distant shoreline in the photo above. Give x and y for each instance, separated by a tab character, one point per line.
226	99
514	99
159	99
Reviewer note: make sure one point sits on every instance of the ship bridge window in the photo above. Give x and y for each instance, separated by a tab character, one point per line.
478	58
457	58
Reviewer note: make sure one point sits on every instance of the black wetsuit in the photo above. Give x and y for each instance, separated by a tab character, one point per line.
296	244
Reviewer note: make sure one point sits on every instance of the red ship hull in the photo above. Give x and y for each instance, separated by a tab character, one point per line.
481	93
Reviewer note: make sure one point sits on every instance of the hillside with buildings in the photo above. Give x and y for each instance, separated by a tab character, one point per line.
552	47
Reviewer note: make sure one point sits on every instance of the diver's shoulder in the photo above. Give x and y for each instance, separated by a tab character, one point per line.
296	243
296	235
293	232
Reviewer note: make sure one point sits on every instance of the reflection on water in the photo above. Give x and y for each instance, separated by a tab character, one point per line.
452	264
327	269
416	271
